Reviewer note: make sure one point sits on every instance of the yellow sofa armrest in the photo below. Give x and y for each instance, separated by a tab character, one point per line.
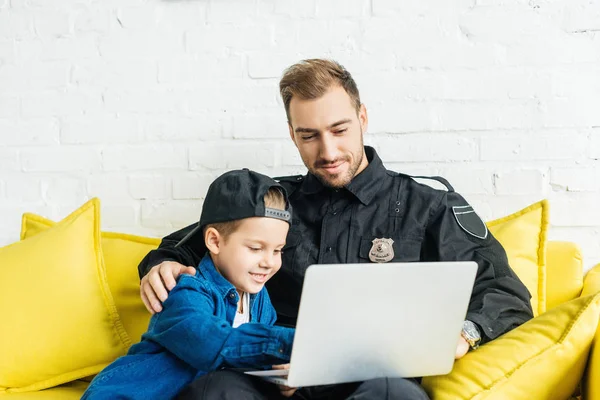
564	272
591	283
591	378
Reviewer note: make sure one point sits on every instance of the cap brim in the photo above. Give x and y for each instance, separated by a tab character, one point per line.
190	235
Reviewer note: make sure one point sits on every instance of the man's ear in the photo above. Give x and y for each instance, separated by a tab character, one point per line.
363	118
213	240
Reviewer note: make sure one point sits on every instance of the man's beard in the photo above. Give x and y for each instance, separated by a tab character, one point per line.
349	175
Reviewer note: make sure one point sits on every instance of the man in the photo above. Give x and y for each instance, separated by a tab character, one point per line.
349	208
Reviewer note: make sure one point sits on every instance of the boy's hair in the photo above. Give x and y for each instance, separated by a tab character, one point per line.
310	79
274	198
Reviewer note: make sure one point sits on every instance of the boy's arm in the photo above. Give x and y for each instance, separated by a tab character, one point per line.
187	328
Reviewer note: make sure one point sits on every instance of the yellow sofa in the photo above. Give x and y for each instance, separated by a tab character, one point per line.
564	283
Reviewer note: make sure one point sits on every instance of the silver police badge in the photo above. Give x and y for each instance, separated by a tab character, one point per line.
382	250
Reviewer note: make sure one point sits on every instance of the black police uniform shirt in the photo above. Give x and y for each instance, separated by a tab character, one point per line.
339	225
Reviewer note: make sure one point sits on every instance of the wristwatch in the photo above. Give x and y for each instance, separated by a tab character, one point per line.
471	334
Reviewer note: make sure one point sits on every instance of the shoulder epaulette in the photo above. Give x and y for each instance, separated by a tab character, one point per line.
443	181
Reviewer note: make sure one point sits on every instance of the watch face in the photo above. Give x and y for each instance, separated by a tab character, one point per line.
471	330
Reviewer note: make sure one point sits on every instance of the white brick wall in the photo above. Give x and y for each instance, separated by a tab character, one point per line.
143	103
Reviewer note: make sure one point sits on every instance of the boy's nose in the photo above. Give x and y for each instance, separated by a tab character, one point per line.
268	260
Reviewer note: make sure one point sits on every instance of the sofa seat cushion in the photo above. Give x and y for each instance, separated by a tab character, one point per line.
69	391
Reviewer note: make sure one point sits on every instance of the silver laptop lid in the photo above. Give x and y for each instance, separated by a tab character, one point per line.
365	321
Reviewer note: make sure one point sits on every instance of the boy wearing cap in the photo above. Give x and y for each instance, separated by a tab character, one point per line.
221	316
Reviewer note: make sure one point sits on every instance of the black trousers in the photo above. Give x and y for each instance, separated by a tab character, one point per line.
233	385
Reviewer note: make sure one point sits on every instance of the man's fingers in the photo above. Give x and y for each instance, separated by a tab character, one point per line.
168	276
145	300
157	286
152	299
160	279
189	271
461	349
281	366
286	391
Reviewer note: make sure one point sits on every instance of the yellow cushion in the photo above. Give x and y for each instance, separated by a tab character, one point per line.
542	359
591	380
122	254
564	272
591	282
59	322
523	236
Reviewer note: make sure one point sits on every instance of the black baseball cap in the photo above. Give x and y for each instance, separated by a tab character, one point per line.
238	194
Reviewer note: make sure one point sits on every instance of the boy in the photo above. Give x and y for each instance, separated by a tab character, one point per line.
221	316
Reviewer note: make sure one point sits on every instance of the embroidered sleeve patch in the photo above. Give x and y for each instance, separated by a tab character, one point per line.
470	222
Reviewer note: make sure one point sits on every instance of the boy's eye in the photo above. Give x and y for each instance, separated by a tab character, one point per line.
254	248
278	251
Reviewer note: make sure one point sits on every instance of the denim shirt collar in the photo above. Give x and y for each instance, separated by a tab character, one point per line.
207	269
363	186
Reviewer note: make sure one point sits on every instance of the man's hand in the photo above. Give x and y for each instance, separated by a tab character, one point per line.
462	348
162	277
285	390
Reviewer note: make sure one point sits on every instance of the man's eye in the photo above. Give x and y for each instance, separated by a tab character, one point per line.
340	131
308	137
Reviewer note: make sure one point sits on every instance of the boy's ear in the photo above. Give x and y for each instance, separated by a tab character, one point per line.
213	240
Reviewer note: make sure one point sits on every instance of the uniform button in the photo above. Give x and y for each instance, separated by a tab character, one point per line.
334	213
329	249
299	178
397	210
397	203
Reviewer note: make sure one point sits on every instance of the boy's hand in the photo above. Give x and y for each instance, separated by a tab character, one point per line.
162	277
462	348
285	390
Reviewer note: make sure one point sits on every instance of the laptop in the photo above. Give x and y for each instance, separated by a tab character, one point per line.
363	321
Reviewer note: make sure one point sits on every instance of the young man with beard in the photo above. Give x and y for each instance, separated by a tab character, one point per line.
346	206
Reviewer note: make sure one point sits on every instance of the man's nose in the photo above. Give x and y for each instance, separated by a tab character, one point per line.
328	148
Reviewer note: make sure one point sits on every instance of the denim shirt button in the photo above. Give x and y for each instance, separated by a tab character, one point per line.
232	295
281	350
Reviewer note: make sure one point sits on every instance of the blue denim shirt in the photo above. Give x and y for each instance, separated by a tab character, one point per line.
192	336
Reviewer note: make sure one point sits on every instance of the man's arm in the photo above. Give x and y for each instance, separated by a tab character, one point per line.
161	267
185	254
500	301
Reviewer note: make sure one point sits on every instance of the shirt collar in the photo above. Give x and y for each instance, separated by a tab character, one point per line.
209	271
363	186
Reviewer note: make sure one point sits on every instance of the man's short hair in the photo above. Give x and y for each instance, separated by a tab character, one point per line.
274	198
310	79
